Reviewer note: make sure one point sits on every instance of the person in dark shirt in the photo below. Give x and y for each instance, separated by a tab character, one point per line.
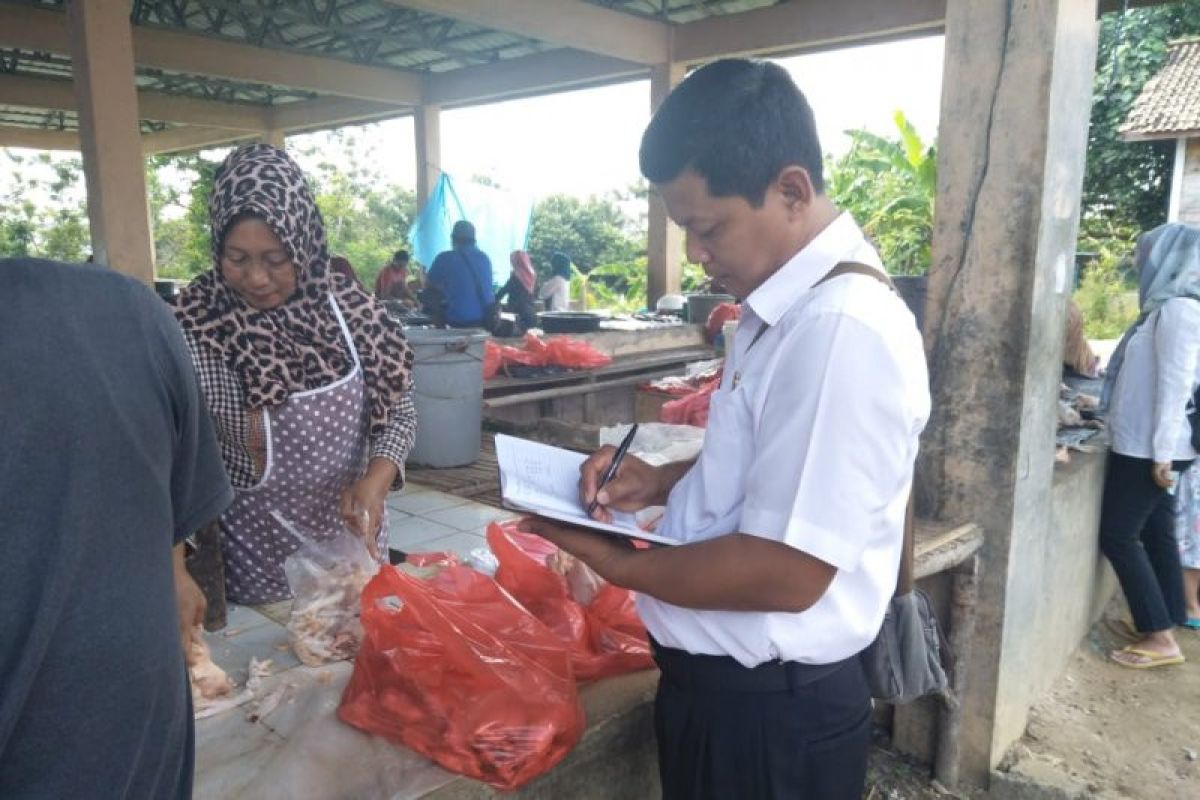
519	291
108	460
462	276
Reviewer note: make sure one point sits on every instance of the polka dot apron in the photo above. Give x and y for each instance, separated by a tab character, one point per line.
316	448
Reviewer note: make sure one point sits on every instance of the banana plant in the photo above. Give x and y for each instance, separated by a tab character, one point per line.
889	186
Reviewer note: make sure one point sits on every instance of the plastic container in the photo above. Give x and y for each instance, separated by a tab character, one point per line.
699	306
448	392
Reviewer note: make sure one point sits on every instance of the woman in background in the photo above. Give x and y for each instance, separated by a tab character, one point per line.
556	291
1151	378
519	291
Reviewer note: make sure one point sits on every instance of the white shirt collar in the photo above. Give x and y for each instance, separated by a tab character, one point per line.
794	279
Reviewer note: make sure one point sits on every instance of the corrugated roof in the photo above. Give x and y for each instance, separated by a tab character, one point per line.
369	32
1169	104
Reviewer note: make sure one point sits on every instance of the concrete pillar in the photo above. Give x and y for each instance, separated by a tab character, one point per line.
665	240
427	123
1014	119
275	138
102	63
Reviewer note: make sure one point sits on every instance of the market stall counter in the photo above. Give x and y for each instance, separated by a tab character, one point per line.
288	743
285	741
640	352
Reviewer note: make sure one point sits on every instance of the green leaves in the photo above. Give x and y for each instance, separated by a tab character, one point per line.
889	185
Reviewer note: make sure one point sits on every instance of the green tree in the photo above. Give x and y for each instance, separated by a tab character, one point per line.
593	232
1129	182
44	218
179	211
889	185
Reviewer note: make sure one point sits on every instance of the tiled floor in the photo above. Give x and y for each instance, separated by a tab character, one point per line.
423	520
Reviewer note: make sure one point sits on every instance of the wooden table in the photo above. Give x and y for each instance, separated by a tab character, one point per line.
941	547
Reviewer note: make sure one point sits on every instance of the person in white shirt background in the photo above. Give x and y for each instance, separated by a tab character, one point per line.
1151	378
556	291
790	522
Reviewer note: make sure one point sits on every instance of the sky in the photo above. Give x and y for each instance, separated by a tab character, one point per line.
585	142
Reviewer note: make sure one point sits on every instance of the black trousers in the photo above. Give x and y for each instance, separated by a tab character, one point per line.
777	732
1137	535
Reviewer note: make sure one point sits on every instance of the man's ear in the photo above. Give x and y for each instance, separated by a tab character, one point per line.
795	187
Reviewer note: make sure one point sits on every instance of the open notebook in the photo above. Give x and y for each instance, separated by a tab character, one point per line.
544	480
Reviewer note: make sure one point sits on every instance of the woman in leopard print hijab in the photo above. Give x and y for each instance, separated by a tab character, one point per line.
277	339
298	345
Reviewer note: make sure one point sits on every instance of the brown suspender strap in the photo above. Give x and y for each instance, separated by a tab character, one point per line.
844	268
904	578
855	268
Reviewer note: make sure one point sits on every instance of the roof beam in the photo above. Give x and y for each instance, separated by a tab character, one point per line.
570	23
32	28
327	112
38	139
805	25
31	92
174	140
541	73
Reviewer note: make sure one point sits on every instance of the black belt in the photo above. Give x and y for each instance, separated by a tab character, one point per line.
726	674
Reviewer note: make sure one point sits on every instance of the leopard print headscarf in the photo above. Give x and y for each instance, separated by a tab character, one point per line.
299	345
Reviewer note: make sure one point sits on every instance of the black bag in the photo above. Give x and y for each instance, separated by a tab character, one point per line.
491	311
433	303
909	656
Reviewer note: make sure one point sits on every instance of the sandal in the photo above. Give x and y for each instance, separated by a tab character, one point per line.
1144	659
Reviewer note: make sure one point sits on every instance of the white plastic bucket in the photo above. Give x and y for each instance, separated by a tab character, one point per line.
448	392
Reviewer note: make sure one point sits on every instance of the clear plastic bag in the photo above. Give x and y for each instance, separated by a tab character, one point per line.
326	578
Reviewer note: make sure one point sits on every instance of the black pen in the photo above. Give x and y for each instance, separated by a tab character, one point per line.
611	472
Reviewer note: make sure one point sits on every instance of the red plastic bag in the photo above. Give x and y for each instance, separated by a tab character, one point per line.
724	312
691	409
497	357
605	636
455	669
574	353
492	360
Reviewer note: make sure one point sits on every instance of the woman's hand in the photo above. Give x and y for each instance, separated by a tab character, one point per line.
362	502
1161	472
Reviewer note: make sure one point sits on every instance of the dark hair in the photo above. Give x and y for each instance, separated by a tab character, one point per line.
400	255
736	123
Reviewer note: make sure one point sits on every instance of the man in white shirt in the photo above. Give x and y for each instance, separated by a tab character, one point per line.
790	522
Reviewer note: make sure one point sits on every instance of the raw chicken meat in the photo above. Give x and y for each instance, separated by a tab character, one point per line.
324	623
582	581
209	682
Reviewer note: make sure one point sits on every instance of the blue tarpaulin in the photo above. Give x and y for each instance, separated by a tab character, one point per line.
501	222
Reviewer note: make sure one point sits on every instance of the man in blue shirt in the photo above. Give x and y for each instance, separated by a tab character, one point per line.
463	276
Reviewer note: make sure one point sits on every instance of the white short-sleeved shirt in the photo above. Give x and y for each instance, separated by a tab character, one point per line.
811	442
1156	381
556	291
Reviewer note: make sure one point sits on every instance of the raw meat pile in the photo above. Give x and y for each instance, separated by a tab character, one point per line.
209	682
582	581
324	624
